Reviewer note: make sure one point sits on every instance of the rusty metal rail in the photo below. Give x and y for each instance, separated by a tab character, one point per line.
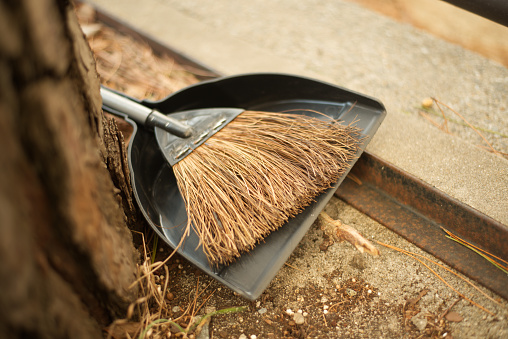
401	202
416	211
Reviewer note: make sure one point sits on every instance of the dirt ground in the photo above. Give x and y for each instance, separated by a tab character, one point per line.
342	293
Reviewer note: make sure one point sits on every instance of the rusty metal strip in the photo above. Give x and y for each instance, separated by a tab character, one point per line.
415	210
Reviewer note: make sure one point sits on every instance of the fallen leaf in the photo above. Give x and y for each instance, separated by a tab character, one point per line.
346	232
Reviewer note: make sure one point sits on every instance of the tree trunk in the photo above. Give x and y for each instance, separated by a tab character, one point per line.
67	258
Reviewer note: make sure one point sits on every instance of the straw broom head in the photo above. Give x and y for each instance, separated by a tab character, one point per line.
256	173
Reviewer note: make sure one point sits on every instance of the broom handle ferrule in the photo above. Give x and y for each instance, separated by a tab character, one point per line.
171	125
144	115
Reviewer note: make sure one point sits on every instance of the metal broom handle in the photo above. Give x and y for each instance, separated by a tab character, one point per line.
144	115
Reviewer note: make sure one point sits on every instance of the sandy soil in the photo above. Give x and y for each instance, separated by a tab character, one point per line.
343	293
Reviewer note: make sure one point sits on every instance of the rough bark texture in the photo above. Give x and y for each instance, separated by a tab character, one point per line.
67	255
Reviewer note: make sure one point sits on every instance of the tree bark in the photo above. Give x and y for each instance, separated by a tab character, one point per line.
67	258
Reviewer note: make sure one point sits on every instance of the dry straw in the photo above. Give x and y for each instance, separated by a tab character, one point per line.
255	174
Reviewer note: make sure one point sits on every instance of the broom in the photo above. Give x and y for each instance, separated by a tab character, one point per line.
260	170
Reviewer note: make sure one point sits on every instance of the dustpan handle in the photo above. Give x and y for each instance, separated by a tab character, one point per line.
144	115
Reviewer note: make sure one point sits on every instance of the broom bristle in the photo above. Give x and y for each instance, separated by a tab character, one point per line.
256	173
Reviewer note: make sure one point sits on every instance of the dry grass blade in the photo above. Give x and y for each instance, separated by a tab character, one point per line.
293	267
485	254
504	154
151	311
438	103
433	122
255	174
415	255
445	120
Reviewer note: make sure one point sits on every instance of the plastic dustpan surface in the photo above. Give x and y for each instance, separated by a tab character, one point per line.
157	193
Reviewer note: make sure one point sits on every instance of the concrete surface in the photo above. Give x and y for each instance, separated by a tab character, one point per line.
343	43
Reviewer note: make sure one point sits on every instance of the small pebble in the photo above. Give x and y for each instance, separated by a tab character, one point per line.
325	311
262	310
298	319
369	291
305	314
210	309
454	316
420	323
350	292
242	336
289	312
175	309
253	336
427	103
353	280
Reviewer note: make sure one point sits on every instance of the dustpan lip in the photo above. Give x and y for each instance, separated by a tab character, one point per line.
364	99
230	276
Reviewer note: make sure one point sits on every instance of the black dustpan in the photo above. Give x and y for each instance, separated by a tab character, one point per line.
157	193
